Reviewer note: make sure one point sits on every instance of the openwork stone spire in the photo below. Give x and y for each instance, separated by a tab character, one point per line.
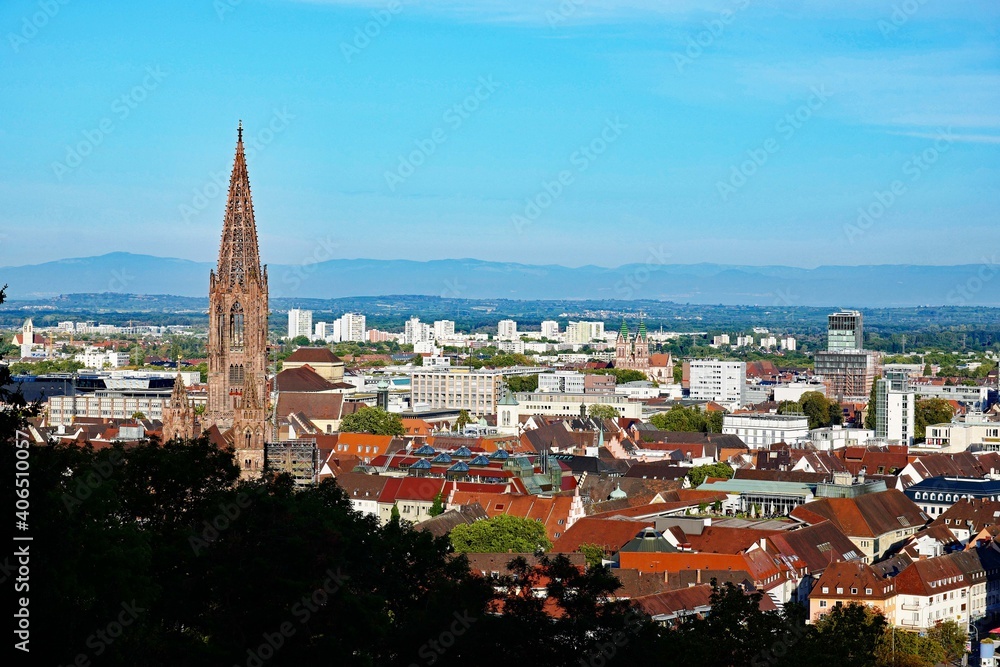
239	261
237	331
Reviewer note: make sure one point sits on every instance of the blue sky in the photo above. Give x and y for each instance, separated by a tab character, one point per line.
586	132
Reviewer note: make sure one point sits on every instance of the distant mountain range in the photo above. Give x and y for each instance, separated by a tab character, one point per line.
890	285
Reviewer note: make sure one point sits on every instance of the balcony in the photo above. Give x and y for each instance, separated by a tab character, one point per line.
913	623
910	607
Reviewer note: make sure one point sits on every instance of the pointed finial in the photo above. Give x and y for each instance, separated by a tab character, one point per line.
239	130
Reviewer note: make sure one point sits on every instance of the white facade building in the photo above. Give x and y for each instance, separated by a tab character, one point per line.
506	330
97	358
562	382
459	388
793	391
837	437
895	409
957	437
975	398
300	323
788	343
637	390
760	430
444	329
583	332
352	327
550	329
719	381
571	405
416	331
107	405
511	346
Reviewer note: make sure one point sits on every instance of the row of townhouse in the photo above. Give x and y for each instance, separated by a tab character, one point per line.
926	592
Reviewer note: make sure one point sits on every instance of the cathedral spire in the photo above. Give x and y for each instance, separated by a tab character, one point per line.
239	261
179	395
623	332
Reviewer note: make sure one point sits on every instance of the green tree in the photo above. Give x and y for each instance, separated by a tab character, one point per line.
789	408
500	534
928	371
930	411
202	369
680	418
576	621
902	648
137	355
849	635
678	373
601	411
951	637
463	420
737	633
45	366
507	360
698	474
522	383
594	554
622	375
437	507
299	341
870	413
821	411
372	420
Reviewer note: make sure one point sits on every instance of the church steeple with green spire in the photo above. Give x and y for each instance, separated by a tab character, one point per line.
623	332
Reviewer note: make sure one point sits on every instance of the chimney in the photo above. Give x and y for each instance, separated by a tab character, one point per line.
763	543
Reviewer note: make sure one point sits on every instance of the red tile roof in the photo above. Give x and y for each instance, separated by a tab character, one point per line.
610	534
868	515
314	405
309	355
303	378
553	512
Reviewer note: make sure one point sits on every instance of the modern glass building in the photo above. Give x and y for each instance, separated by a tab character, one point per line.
844	331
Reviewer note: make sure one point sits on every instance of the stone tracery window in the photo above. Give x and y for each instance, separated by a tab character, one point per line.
236	328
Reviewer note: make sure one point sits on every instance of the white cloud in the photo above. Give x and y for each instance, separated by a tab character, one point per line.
963	138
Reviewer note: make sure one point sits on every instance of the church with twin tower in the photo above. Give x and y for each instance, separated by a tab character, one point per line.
237	328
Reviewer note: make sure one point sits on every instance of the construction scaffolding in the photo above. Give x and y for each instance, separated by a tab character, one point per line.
298	458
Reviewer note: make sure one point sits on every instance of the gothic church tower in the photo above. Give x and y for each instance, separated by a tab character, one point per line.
237	327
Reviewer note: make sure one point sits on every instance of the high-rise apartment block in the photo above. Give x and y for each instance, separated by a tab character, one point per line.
719	381
300	323
506	330
895	408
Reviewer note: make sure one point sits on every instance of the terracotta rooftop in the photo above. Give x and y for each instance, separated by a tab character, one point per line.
868	515
302	378
310	355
